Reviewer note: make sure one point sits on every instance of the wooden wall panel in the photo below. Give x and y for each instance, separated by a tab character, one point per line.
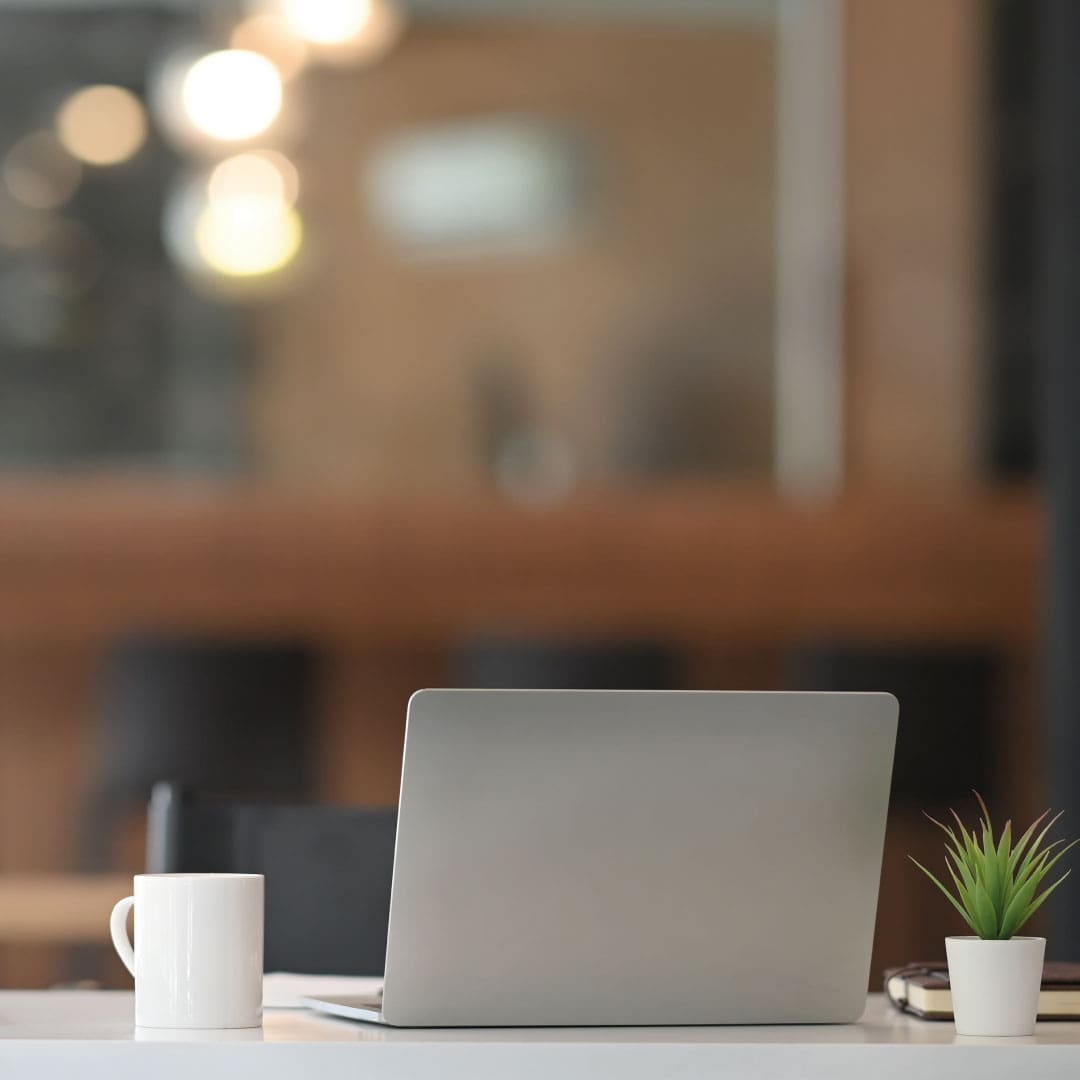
368	370
46	697
362	725
914	218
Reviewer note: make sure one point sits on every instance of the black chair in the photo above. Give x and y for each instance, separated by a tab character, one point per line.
226	716
950	706
520	663
328	871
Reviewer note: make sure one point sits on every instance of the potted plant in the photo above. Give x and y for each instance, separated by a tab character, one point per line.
995	975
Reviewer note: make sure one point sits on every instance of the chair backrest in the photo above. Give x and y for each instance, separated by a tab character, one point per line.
328	871
527	663
189	709
952	707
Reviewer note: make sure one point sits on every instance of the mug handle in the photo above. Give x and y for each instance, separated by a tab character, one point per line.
118	929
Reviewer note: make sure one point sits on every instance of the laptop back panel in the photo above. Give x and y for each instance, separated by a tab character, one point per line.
619	857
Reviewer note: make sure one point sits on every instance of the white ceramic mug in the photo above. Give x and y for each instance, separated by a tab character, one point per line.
198	954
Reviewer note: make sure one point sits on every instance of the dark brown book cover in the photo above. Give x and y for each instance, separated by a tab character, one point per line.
922	989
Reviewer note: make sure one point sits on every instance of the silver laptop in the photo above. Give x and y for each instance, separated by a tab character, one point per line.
629	857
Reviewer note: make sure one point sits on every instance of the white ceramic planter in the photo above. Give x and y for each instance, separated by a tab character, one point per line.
995	984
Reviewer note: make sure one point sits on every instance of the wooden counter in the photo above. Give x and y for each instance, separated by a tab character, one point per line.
96	560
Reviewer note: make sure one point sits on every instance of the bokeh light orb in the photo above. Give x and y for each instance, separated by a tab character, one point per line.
271	35
40	173
102	125
255	173
234	227
247	237
345	31
328	22
232	94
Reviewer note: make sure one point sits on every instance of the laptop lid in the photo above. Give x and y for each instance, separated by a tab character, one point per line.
637	857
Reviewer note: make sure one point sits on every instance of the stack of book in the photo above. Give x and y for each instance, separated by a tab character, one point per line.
922	989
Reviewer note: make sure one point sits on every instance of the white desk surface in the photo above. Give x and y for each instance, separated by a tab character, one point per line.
81	1033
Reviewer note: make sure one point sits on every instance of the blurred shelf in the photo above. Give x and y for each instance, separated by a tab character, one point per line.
93	559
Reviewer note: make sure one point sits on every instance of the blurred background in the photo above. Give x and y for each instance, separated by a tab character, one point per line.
354	346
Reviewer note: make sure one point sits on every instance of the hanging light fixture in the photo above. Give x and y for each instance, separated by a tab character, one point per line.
39	172
101	125
208	101
235	228
345	31
271	35
232	94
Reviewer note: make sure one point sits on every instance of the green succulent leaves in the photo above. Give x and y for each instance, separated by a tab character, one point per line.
996	882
